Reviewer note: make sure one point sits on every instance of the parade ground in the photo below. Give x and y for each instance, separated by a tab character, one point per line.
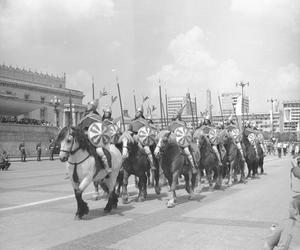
37	208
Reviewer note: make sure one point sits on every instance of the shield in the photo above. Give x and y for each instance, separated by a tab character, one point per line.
86	121
205	129
137	124
98	134
115	133
260	138
251	138
213	135
183	136
147	135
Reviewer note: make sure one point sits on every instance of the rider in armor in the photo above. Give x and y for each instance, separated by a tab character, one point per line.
230	122
208	123
106	117
178	122
140	121
91	116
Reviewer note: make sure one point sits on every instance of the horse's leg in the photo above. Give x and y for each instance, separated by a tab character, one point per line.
136	181
156	178
96	195
230	173
199	184
125	194
219	177
172	201
82	207
242	168
142	187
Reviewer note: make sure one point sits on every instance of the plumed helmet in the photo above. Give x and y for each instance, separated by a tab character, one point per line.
140	109
206	117
92	105
107	110
230	118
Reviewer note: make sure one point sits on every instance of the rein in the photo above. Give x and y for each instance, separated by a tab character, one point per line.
77	163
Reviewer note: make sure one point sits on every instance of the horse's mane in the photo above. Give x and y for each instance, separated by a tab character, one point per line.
127	135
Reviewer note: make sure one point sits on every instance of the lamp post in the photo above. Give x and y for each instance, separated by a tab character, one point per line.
272	118
56	102
242	84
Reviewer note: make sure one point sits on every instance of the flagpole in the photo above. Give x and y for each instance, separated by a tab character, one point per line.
134	101
93	89
221	108
166	97
196	111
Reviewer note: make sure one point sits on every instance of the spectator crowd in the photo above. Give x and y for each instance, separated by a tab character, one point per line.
30	121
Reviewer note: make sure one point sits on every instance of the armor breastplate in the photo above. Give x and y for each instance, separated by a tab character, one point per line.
137	124
176	124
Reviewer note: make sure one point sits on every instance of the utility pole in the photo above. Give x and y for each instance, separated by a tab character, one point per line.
272	118
243	85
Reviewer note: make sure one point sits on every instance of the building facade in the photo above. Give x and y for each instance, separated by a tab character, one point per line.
291	115
27	94
232	103
175	103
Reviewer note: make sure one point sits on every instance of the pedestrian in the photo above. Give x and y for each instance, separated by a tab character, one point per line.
279	149
287	234
23	151
51	149
39	151
4	163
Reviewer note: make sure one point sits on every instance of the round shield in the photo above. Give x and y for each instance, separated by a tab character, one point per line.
146	135
234	133
183	136
115	133
260	138
98	134
251	138
213	135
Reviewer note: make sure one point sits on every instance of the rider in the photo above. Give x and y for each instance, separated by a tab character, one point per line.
106	117
138	122
230	122
91	116
176	123
208	123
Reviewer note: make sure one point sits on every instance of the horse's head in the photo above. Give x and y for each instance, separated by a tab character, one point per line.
162	139
126	139
199	136
70	140
224	136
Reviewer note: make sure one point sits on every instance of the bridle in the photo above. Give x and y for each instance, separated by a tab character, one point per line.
70	151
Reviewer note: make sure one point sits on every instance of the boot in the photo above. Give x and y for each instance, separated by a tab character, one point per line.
218	155
191	160
152	167
104	160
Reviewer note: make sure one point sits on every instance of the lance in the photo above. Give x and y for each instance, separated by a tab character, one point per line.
166	97
161	111
122	115
196	111
191	107
93	89
71	110
134	101
221	108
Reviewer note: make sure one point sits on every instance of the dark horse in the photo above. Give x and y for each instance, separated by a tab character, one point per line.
250	156
85	166
208	161
236	165
174	163
136	162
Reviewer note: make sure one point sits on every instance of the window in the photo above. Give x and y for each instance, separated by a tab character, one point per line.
42	99
43	114
26	97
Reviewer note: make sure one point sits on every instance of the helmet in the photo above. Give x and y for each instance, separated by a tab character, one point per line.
107	110
140	109
92	105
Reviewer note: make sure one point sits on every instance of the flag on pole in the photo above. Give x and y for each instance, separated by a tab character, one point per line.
113	99
103	93
145	98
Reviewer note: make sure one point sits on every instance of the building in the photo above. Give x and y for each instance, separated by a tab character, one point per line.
231	101
175	103
44	97
291	115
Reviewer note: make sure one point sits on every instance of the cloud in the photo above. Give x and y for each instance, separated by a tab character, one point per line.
289	76
33	18
193	67
82	81
282	12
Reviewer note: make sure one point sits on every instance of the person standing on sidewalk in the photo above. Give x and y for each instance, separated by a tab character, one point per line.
39	151
22	150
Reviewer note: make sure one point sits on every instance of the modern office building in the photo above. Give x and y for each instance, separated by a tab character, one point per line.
232	103
175	103
291	115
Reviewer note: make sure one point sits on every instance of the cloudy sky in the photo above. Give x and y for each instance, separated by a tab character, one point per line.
189	45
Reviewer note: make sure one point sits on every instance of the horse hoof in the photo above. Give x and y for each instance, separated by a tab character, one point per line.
229	184
217	187
171	204
192	196
77	217
114	206
198	190
141	199
157	190
125	200
107	210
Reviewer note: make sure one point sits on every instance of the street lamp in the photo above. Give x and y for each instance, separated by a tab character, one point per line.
242	84
272	118
56	102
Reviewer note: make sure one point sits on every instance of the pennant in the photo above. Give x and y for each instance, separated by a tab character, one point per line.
113	99
153	108
103	93
145	98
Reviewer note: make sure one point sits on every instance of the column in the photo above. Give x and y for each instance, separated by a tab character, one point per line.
64	118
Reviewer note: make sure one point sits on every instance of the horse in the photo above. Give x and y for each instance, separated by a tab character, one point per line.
136	162
236	165
174	163
208	161
85	166
250	156
260	157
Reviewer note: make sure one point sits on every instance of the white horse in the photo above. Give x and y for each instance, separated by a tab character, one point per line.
84	166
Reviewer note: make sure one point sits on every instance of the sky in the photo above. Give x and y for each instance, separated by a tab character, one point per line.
183	46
